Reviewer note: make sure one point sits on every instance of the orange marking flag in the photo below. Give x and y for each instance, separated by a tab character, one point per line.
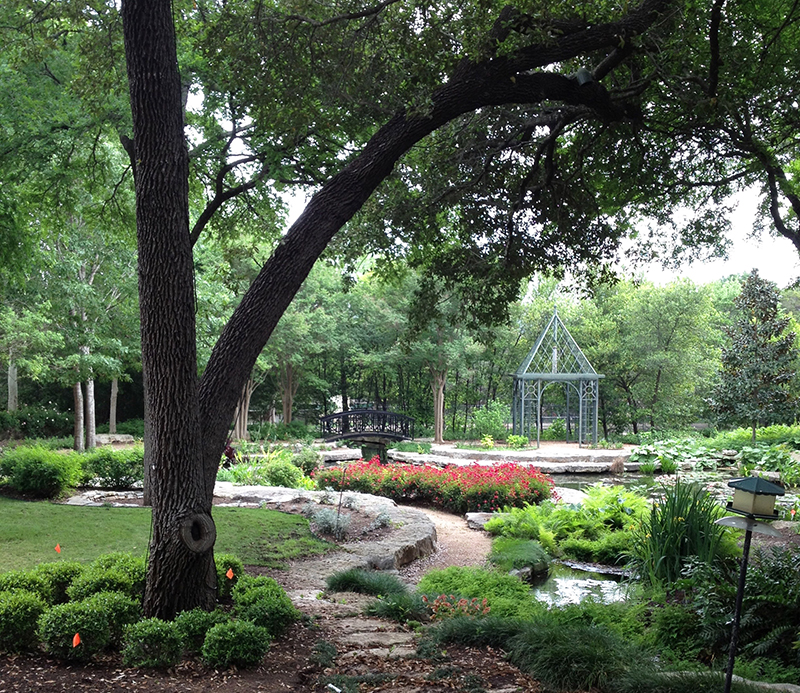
229	574
76	640
58	548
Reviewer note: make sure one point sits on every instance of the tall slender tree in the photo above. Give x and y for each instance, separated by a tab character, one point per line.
759	362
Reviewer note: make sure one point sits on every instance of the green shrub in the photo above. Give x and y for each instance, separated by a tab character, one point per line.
95	580
677	629
131	427
307	460
282	473
41	473
43	422
296	430
365	582
489	631
113	572
557	430
268	607
236	643
193	626
152	643
115	469
58	627
28	580
517	441
120	610
19	614
58	576
251	582
227	562
491	420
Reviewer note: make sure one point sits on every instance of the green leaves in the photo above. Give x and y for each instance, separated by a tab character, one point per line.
759	361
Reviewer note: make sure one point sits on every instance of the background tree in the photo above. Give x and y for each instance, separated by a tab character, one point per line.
759	362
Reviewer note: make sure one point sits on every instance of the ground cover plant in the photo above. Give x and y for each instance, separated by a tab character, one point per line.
455	489
600	530
30	532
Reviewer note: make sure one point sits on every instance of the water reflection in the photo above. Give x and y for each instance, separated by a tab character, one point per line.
565	585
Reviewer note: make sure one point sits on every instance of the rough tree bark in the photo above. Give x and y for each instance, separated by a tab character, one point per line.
180	572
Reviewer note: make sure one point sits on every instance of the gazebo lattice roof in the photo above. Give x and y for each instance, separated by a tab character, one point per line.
555	358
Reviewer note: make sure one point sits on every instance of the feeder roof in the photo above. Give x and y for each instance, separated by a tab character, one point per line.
757	486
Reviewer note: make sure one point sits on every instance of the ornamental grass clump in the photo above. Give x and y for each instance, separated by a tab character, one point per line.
680	525
456	489
365	582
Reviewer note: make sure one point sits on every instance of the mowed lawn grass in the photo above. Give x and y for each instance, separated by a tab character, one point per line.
30	531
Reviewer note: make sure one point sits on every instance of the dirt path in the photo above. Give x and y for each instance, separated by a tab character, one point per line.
457	544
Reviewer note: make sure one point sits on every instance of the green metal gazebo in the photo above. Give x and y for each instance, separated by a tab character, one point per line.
555	359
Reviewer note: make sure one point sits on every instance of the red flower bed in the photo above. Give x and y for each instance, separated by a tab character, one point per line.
456	489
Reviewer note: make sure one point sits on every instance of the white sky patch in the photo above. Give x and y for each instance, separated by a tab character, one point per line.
775	258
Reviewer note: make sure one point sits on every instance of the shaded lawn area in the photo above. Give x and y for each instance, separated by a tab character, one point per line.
30	531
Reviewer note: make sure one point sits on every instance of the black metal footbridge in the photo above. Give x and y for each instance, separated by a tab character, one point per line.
373	428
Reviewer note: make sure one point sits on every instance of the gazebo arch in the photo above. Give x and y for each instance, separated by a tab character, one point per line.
556	358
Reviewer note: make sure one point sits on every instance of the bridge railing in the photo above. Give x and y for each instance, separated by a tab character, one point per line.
349	424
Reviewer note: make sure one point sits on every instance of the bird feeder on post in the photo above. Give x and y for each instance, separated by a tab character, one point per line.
753	498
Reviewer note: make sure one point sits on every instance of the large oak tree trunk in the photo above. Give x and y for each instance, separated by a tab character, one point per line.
181	573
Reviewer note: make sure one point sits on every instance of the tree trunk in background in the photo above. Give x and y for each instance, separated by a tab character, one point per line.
438	379
180	574
288	382
242	412
13	390
112	406
343	388
91	422
77	400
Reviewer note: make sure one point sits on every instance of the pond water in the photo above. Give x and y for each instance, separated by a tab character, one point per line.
565	584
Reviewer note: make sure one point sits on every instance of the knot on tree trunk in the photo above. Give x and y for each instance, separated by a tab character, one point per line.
198	532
